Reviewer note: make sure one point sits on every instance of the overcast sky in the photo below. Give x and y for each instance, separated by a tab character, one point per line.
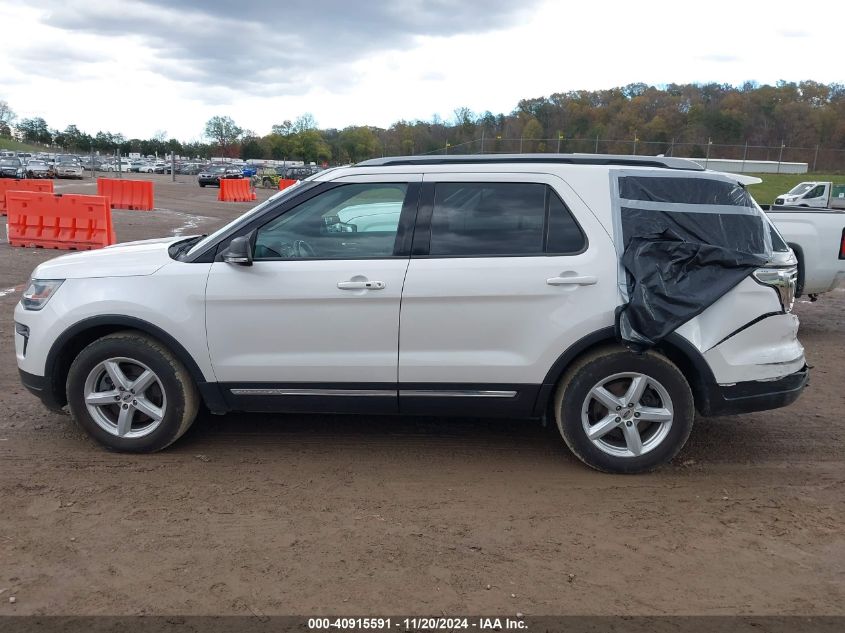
143	66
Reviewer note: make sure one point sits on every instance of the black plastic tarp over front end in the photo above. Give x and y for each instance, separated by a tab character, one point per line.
686	241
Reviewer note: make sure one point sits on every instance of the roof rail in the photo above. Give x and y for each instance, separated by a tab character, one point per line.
665	162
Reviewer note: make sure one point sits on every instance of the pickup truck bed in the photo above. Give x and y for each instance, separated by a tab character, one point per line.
818	238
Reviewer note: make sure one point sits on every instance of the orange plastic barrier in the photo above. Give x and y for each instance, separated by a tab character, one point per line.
235	190
284	183
71	222
22	184
127	194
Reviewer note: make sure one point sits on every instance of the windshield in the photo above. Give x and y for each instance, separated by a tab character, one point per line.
10	162
804	187
272	200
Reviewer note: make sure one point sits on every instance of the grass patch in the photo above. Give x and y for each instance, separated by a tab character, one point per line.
775	184
17	146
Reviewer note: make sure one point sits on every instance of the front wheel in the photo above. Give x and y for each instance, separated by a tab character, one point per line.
623	412
130	393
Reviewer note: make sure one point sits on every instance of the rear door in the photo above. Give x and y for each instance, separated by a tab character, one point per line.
507	271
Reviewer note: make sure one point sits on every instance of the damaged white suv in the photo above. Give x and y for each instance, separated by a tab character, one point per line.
615	295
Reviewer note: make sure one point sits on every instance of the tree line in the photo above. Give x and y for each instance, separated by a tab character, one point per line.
803	114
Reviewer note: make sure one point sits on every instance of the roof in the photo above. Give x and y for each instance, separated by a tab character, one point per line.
664	162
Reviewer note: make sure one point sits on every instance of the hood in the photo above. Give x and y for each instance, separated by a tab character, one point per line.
122	260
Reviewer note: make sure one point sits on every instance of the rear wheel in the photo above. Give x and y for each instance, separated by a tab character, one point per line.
623	412
130	393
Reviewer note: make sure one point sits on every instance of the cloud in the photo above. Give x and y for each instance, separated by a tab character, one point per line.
719	58
265	50
432	75
796	33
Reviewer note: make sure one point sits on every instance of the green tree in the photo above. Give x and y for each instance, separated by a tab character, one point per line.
224	132
313	147
530	133
35	130
359	143
304	123
7	118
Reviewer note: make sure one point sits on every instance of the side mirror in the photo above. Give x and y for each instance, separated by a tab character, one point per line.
239	251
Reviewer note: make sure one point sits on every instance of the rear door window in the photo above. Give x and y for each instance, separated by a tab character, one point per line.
490	219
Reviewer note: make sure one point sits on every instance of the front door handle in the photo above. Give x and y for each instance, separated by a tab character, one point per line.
575	280
361	285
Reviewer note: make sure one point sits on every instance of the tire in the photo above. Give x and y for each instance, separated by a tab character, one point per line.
202	184
660	420
169	395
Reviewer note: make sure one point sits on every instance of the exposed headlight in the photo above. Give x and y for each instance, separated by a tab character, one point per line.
783	280
39	292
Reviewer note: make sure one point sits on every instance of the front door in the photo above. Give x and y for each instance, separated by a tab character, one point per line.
313	324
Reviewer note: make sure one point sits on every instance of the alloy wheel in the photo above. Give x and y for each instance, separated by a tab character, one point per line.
125	397
627	414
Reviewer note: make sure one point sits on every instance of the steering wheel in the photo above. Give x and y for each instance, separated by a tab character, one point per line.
301	248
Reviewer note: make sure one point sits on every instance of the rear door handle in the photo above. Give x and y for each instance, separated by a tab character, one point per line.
575	280
361	285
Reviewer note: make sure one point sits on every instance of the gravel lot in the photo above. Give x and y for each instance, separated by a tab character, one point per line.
258	514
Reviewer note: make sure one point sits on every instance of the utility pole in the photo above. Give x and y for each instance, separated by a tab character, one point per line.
597	143
707	157
672	147
559	138
172	166
482	140
635	142
816	157
744	157
119	170
780	156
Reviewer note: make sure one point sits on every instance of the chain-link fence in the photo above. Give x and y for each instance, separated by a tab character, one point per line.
818	159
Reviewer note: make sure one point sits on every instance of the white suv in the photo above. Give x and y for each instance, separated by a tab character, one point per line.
612	294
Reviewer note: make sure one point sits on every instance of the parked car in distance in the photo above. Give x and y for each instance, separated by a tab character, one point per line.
819	195
38	169
11	168
189	169
213	174
506	272
68	166
300	173
268	177
125	166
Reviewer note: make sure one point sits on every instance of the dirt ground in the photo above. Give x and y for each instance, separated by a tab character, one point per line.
257	514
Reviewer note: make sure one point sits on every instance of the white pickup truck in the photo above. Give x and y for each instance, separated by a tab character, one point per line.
817	236
817	195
